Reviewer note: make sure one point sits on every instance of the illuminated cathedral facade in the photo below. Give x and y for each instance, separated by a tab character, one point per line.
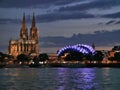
26	44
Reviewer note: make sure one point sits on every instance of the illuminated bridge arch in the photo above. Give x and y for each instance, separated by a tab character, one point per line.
79	48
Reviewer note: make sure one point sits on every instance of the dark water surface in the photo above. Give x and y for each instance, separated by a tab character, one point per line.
60	79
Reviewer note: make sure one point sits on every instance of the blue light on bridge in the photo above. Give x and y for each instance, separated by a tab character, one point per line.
80	48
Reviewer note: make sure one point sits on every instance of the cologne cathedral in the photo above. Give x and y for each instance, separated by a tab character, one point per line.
26	44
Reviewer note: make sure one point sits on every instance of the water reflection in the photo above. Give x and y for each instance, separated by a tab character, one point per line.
60	79
76	79
106	74
18	79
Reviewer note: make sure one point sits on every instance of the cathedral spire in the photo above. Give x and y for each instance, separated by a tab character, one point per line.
23	21
33	31
33	20
24	31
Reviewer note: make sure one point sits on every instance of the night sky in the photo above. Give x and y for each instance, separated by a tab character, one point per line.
59	18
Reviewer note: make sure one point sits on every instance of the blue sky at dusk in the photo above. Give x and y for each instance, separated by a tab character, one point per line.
61	20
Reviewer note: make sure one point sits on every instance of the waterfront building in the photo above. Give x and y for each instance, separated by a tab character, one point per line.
114	50
26	44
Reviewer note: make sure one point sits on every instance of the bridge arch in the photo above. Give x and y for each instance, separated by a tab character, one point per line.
79	48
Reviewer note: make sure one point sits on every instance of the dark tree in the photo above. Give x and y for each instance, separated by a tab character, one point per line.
43	57
23	58
36	60
117	56
98	56
2	56
74	56
89	57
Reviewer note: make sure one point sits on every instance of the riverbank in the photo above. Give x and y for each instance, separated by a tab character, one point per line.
63	65
112	65
76	65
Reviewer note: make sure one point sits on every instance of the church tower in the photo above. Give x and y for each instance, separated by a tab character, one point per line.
34	36
26	44
33	31
24	31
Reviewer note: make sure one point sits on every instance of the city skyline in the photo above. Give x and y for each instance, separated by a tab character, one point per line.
58	18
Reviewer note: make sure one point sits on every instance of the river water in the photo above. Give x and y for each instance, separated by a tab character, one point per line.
60	79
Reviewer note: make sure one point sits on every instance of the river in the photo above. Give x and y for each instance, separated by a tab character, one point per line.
60	79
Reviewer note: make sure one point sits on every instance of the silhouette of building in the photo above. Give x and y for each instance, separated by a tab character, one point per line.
93	46
26	44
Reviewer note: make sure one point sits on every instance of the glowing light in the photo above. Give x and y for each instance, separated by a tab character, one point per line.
81	48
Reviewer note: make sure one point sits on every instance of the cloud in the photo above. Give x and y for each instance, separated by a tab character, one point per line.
59	9
8	21
118	22
15	20
110	22
113	15
62	16
99	38
32	3
21	3
49	17
99	4
79	4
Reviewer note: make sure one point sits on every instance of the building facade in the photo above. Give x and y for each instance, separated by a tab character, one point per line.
26	44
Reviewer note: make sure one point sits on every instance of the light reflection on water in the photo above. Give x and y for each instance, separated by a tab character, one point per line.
59	79
82	79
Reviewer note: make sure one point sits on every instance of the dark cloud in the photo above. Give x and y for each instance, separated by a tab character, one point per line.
15	21
100	4
23	3
63	2
8	21
64	12
110	22
49	17
47	3
99	38
33	3
62	16
118	22
113	15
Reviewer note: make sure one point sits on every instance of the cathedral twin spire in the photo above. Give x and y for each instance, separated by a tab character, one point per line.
26	44
24	21
33	20
24	31
33	30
